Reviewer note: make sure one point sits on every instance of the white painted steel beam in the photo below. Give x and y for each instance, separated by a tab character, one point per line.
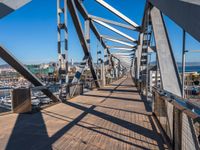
118	41
183	12
122	54
116	12
113	22
120	48
114	29
168	69
8	6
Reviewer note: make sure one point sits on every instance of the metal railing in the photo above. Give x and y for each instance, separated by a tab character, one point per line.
74	90
179	120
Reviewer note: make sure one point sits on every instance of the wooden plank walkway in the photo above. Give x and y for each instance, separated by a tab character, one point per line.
112	118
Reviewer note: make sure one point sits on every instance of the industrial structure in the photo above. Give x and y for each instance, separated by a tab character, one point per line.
174	117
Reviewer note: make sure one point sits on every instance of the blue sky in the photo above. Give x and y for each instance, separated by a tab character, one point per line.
30	32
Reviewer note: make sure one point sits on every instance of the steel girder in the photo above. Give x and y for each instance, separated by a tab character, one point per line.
138	55
113	22
62	49
169	72
8	6
85	15
116	38
116	12
179	10
118	41
77	24
12	61
114	30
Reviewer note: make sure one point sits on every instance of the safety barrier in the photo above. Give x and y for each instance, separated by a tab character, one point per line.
179	120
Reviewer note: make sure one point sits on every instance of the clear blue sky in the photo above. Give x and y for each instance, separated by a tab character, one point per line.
30	33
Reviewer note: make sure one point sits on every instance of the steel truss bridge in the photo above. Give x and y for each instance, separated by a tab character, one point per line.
130	113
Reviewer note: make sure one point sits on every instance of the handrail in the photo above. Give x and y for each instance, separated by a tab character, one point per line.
181	104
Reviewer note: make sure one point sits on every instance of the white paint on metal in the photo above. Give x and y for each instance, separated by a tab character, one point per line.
124	54
118	41
114	29
8	6
120	48
115	11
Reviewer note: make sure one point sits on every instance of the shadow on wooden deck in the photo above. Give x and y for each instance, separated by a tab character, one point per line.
30	130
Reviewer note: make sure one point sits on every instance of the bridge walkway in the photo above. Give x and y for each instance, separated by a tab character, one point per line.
111	118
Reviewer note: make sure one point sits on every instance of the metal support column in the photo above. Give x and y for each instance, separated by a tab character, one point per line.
77	24
87	32
113	67
119	68
106	63
103	74
62	41
183	65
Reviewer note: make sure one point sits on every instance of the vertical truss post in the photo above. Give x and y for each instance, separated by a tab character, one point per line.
183	65
87	32
59	11
77	24
66	42
119	68
148	38
106	63
156	71
98	61
103	72
139	53
62	40
113	66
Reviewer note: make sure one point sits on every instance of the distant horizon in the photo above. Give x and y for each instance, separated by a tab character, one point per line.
178	63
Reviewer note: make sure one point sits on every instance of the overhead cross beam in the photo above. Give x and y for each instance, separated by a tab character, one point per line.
118	41
113	22
120	48
116	12
114	30
126	52
117	38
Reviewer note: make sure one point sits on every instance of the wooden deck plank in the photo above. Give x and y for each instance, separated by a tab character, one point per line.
110	118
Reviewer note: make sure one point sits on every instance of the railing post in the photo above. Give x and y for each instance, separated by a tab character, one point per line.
177	129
